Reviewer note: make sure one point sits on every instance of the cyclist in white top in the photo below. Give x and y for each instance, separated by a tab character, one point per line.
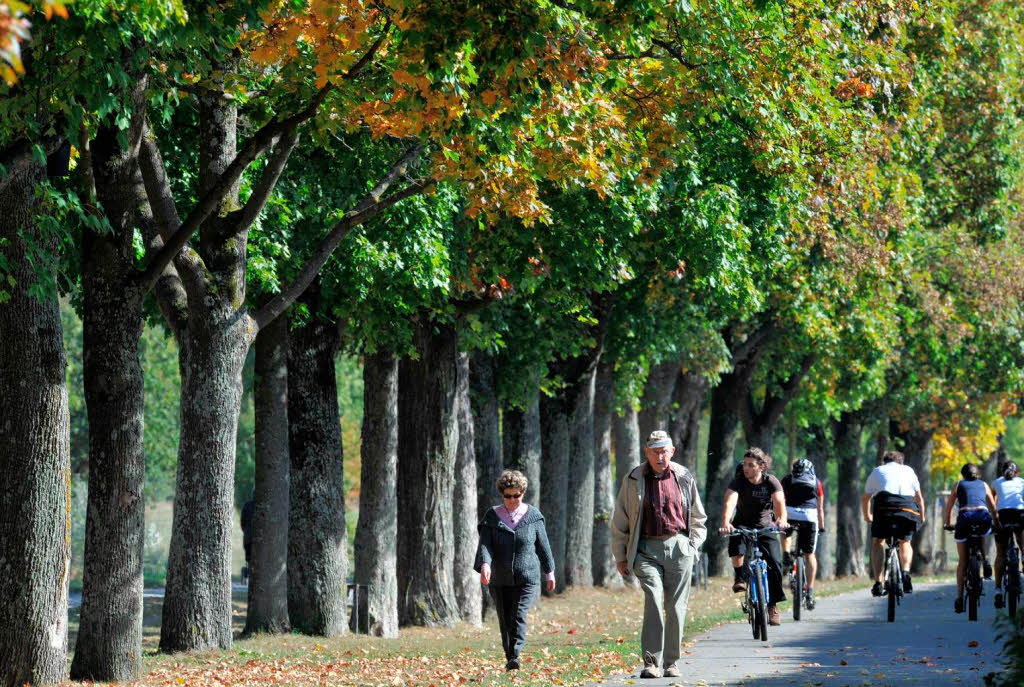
898	509
1009	491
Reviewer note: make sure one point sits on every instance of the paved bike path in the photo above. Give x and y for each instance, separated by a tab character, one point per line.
847	641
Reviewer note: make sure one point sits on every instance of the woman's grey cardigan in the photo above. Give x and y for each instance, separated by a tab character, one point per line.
516	557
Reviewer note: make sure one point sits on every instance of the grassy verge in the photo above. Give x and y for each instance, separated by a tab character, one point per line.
580	636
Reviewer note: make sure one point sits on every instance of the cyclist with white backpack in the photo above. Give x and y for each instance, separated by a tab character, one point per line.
805	507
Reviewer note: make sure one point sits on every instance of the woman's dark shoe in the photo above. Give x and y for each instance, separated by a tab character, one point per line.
512	664
908	587
876	589
958	604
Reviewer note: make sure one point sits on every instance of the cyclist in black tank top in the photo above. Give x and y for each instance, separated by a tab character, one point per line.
977	506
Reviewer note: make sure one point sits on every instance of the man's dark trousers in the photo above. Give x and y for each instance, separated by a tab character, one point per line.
511	604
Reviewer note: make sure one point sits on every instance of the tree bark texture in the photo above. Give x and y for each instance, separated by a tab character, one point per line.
626	433
687	409
722	436
35	499
521	443
197	603
109	642
268	563
850	540
657	398
579	507
486	432
317	538
554	479
212	351
428	434
603	561
468	593
377	530
917	450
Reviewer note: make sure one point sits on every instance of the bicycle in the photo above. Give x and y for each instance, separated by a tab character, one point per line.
893	576
798	579
973	589
1011	570
755	601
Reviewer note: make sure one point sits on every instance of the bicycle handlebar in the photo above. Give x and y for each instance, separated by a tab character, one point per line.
737	531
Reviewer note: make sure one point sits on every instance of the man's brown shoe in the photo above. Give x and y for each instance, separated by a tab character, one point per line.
650	667
672	671
739	586
774	618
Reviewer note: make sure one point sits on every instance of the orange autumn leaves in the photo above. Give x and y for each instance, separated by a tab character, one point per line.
14	30
499	120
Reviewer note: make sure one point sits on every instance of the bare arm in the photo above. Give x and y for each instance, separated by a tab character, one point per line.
919	497
779	506
865	506
990	498
731	499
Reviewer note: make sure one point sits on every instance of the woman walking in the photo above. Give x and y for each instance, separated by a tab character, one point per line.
513	551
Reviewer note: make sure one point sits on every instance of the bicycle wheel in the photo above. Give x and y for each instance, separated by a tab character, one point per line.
755	627
798	587
894	582
973	585
762	618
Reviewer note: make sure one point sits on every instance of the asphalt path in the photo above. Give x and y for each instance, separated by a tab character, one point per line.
847	641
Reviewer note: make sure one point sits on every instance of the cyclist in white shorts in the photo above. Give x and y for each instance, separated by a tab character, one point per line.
805	506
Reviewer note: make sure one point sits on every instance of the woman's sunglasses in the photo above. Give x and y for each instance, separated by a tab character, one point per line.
511	496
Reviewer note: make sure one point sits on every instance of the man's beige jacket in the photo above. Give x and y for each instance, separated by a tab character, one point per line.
626	520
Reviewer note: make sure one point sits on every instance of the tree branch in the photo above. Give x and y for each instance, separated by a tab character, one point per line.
265	186
365	59
674	52
161	202
369	207
748	347
774	405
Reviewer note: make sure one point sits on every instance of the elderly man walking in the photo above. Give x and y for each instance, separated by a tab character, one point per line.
657	528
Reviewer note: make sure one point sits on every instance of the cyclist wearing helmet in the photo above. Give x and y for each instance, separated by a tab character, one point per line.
805	506
1009	493
897	508
974	518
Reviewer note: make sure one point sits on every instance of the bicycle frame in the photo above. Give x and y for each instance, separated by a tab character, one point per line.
893	576
1011	572
972	576
756	600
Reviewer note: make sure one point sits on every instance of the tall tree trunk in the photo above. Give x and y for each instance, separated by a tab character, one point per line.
464	506
377	531
521	442
317	538
917	449
688	406
35	457
554	479
109	643
846	432
722	436
579	522
486	433
626	433
212	351
428	435
268	564
657	397
818	451
197	603
602	559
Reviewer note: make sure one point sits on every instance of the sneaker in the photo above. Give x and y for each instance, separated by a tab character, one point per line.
876	589
986	569
774	617
908	588
1000	603
512	664
650	667
958	604
739	586
809	599
672	671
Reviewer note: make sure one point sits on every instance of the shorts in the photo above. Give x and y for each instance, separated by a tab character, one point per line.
737	546
806	535
900	526
972	523
1009	518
